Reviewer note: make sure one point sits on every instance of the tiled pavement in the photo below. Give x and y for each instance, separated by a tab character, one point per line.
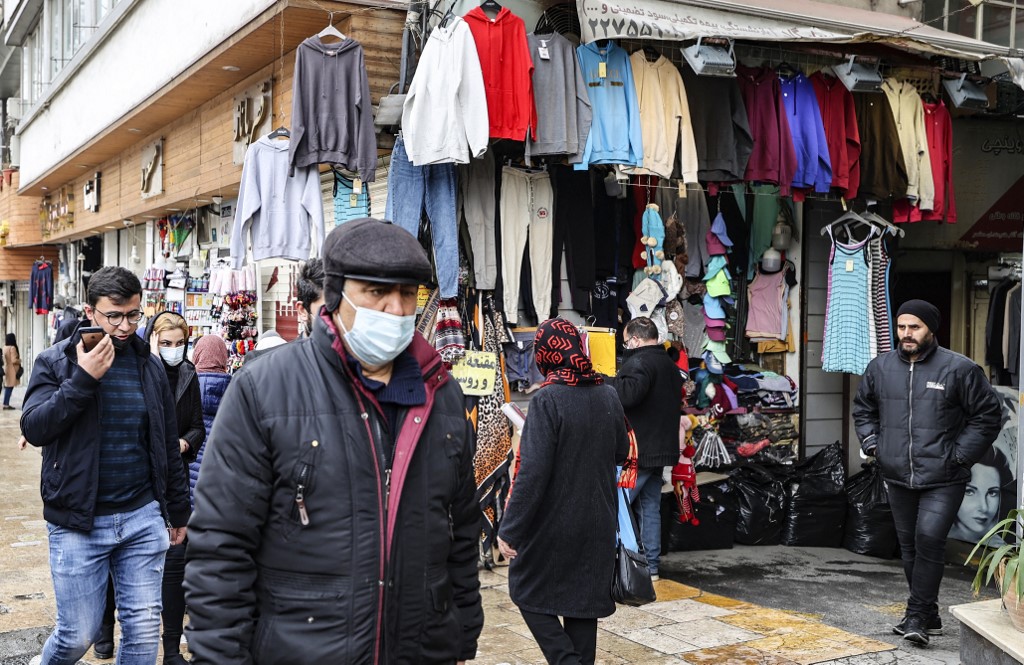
687	625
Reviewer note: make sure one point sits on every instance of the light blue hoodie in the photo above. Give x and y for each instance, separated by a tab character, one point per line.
282	212
615	130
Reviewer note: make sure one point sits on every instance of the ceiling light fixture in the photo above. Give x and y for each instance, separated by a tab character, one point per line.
229	68
134	130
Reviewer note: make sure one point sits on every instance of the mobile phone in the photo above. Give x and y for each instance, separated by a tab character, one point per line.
91	336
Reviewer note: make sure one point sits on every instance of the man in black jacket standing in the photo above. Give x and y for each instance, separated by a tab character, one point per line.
114	489
927	414
651	391
336	519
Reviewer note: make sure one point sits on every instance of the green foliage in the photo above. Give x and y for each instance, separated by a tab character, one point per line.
1011	554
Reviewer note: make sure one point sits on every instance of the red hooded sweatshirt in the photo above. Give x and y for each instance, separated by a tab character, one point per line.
939	127
774	157
508	72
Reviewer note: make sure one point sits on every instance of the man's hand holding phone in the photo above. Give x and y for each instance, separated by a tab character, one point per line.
95	352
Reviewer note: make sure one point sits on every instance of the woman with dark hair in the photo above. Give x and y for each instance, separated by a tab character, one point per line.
12	365
559	525
984	501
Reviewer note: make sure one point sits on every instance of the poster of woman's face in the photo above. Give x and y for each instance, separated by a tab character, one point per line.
992	489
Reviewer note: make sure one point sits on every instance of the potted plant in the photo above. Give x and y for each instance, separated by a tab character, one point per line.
1005	563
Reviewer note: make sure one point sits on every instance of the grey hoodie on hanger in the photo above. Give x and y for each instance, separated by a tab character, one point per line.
560	98
332	114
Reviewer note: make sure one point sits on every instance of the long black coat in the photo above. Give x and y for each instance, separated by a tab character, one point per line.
561	516
651	390
383	568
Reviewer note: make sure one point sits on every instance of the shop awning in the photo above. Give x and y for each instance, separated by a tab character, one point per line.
771	20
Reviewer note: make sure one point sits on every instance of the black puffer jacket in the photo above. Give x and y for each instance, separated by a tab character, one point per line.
375	574
651	391
931	420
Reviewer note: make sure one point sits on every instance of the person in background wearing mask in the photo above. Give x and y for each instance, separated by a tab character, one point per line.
650	388
113	486
167	334
211	360
336	515
927	414
310	294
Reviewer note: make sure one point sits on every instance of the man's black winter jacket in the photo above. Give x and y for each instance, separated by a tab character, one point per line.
931	420
651	391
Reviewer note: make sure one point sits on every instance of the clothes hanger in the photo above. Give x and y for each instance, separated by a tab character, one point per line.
447	17
330	30
652	54
786	70
280	132
491	7
872	216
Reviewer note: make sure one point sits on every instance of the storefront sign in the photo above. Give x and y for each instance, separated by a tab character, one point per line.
476	372
251	118
1004	145
1001	228
671	21
153	169
91	194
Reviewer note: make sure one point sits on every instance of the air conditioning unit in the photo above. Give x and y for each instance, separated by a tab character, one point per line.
16	108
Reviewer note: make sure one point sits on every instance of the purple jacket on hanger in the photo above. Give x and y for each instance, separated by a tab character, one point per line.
813	163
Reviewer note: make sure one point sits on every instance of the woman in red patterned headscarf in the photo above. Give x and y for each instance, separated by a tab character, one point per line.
559	525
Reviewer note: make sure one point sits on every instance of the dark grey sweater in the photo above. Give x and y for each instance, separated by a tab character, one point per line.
561	516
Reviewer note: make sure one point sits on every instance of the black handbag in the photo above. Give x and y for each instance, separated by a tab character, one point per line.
632	583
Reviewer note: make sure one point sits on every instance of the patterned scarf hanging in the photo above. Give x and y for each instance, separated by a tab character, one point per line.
560	355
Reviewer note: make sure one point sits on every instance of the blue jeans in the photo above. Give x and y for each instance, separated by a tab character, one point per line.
7	395
646	501
413	188
131	546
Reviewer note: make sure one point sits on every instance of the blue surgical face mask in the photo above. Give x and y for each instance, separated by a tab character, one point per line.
377	338
173	356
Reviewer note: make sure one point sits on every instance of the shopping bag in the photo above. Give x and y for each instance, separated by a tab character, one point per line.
632	583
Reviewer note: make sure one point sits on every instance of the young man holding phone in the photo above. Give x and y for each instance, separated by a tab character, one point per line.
113	488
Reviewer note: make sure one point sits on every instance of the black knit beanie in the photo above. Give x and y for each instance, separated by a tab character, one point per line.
923	310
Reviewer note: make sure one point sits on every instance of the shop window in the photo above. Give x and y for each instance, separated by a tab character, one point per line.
933	13
1018	31
996	23
963	22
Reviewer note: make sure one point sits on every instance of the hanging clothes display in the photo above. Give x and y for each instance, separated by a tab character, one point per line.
767	206
768	304
847	308
881	171
285	214
527	204
332	113
881	307
995	329
560	98
573	236
615	134
445	118
908	114
773	159
477	203
507	67
839	119
415	189
664	118
939	127
40	287
721	127
348	204
813	162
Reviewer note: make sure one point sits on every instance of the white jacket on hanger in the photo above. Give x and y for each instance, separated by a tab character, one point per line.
908	112
664	116
445	115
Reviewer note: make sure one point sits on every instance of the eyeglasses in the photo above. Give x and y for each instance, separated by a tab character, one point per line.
115	318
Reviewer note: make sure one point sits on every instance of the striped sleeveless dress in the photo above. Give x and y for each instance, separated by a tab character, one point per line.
849	321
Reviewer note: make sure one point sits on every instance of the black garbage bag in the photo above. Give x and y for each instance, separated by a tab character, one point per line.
761	499
716	520
816	506
870	529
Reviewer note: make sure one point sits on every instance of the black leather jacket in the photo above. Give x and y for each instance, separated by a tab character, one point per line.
930	420
306	546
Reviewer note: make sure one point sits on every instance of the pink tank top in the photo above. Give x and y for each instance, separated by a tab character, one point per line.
765	294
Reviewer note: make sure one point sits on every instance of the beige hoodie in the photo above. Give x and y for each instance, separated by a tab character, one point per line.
908	112
664	114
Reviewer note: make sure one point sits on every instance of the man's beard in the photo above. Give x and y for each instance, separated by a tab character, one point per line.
913	348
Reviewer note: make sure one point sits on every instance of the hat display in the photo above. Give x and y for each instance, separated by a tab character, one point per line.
718	348
371	250
712	363
714	245
716	264
719	284
719	229
713	323
713	308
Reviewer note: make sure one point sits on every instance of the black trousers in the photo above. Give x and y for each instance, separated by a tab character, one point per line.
173	613
574	643
573	232
923	519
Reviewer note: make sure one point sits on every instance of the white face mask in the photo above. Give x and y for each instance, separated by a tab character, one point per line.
377	338
173	356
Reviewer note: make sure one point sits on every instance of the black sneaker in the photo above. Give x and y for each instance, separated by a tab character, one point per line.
933	627
914	631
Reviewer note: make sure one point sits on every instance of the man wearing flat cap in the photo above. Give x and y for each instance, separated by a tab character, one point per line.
927	414
335	516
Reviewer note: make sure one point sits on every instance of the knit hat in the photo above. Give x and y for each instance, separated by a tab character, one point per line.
923	310
210	354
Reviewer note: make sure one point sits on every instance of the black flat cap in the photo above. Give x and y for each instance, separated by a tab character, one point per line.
372	250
